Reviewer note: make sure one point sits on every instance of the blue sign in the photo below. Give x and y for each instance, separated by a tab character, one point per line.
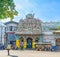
54	48
11	37
41	38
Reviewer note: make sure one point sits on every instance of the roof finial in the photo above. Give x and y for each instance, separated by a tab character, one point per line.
30	15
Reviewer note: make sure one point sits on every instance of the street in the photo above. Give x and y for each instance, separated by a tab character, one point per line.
28	53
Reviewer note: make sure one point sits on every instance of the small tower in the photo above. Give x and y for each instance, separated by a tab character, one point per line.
30	16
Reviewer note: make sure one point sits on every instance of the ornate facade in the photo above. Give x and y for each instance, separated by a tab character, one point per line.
29	31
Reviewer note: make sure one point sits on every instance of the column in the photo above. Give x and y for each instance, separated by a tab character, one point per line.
25	43
33	44
55	38
17	41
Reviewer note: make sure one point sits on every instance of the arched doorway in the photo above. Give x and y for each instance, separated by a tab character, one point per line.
21	39
29	42
58	43
36	40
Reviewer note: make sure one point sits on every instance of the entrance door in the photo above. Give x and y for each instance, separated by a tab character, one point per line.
58	43
12	44
29	43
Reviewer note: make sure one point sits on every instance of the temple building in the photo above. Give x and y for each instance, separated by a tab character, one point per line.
29	31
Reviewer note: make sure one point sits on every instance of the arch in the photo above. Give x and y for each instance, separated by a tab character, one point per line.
21	39
29	42
37	39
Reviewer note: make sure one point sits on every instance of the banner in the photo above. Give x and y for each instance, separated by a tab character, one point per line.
25	44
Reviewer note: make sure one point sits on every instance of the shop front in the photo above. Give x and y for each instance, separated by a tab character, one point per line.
58	43
57	39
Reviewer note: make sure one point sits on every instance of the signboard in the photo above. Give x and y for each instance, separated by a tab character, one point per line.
11	37
41	38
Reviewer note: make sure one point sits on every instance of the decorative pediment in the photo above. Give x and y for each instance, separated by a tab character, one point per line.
30	25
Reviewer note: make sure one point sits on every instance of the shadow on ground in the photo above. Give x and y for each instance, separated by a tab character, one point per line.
13	55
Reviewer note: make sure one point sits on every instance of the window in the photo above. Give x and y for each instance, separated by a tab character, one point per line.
10	28
37	40
7	28
15	28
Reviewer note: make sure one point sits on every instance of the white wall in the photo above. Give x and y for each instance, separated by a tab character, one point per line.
2	33
49	38
11	24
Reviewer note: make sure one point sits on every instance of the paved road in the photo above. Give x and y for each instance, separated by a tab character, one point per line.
28	53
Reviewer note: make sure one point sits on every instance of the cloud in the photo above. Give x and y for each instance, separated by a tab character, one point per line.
18	6
5	20
56	18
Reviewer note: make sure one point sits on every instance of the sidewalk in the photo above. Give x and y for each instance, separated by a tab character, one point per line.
28	53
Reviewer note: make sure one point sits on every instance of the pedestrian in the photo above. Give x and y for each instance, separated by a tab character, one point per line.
21	44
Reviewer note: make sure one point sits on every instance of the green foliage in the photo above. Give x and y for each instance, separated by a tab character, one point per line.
53	29
7	9
58	27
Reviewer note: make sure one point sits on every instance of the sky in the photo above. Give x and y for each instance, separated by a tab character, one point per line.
45	10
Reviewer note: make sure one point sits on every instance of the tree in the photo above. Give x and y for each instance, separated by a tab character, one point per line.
58	27
7	9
